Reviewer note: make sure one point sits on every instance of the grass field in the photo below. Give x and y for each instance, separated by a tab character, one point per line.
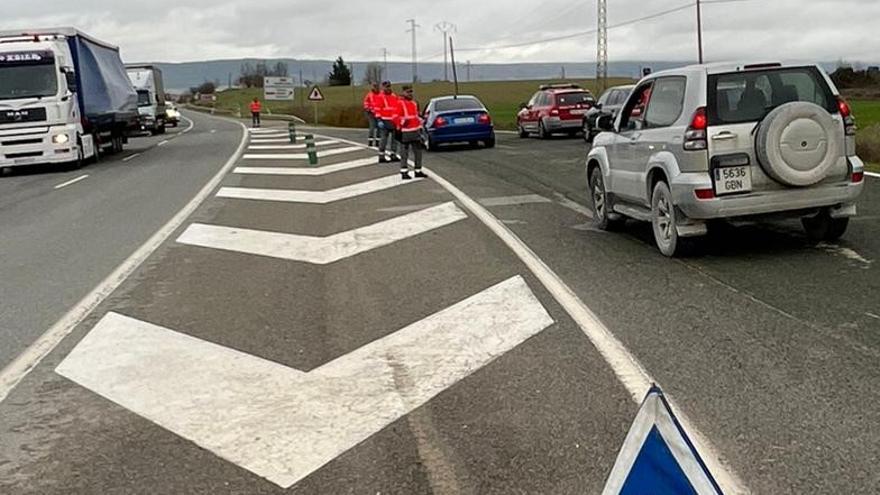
343	104
867	112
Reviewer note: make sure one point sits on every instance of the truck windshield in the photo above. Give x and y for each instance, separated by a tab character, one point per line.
27	75
144	98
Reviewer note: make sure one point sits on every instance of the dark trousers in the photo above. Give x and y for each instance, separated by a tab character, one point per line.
387	138
255	116
416	147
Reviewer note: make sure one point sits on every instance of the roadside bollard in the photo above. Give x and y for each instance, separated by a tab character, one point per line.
311	150
291	130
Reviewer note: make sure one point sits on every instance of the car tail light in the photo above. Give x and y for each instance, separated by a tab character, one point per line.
555	111
439	122
849	123
858	177
695	137
484	118
705	193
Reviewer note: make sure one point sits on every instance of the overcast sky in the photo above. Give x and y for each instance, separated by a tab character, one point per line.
188	30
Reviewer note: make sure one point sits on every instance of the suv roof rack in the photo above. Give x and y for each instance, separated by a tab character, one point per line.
545	87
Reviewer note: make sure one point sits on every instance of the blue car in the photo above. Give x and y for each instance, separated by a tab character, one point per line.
462	119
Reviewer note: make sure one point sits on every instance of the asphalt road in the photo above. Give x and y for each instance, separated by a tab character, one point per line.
272	344
58	244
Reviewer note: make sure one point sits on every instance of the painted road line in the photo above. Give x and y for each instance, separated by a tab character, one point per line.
72	181
284	424
311	171
629	371
873	174
265	130
303	156
290	146
131	157
514	200
321	250
162	143
573	206
18	369
314	197
271	140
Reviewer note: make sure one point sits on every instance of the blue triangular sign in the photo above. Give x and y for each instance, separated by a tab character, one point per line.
658	458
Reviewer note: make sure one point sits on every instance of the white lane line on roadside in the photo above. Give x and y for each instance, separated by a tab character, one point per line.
573	206
872	174
629	371
315	197
285	139
847	253
162	143
301	146
19	368
283	424
213	131
311	171
872	315
131	157
406	208
72	181
321	250
302	156
513	200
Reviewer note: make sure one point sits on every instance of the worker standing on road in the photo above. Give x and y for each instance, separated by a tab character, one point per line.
409	124
372	102
256	108
387	114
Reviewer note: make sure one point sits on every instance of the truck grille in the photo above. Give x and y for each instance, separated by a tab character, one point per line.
20	142
23	115
12	156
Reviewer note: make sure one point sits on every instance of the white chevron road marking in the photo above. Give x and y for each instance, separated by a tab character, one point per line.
300	146
310	171
302	156
283	424
321	250
315	197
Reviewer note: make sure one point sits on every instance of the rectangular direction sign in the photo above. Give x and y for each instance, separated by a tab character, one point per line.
279	88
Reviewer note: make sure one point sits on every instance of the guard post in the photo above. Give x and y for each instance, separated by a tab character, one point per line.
291	131
311	150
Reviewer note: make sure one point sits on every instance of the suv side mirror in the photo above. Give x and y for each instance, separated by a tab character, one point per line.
605	123
523	106
598	105
70	77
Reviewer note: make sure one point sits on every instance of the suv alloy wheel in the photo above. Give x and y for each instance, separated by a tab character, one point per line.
665	223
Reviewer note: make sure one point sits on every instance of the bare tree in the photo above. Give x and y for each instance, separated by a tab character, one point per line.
374	73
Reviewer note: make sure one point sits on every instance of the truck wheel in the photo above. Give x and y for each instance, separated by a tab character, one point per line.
80	157
824	228
162	128
665	224
117	145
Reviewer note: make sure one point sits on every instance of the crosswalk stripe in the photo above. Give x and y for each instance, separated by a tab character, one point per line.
300	146
285	139
314	197
321	250
303	171
283	424
302	156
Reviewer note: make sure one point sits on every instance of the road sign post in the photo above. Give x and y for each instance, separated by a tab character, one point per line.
291	131
311	150
315	96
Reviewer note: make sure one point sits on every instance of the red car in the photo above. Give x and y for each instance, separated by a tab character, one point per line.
558	108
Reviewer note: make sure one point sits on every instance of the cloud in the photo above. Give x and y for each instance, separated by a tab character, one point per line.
175	30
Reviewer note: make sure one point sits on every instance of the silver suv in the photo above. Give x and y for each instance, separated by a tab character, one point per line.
727	141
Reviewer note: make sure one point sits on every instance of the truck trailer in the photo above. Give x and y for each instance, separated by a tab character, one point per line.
147	81
65	98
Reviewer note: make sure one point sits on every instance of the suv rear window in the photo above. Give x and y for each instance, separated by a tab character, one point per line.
458	104
569	99
749	96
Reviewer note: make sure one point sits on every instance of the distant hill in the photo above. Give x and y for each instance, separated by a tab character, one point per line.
181	76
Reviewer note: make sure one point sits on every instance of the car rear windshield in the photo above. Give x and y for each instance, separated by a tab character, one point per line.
458	104
749	96
569	99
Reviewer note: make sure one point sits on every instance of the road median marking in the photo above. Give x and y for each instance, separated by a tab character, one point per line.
315	197
873	174
302	156
301	146
72	182
321	250
514	200
306	171
131	157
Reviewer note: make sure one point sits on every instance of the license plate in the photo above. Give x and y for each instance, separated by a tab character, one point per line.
732	180
579	111
466	120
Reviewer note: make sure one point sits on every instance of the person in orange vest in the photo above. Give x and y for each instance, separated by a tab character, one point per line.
386	111
256	108
372	101
409	125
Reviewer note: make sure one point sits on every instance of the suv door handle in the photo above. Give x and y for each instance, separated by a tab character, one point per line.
724	136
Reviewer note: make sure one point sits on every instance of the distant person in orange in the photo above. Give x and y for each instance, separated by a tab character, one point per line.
387	113
372	103
256	108
409	125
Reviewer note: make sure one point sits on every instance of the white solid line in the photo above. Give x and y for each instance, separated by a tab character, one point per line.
283	424
72	181
314	197
303	156
872	174
626	367
311	171
301	146
321	250
162	143
15	371
131	157
514	200
573	206
285	139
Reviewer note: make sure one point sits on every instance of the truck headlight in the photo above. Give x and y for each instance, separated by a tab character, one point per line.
60	139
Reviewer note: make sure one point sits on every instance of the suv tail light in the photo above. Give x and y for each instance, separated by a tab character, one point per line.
439	122
484	118
695	138
555	111
849	122
858	177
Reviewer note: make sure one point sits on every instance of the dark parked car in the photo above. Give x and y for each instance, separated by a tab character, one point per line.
462	119
609	103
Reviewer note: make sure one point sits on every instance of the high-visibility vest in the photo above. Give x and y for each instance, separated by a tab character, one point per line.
408	118
387	109
256	107
372	102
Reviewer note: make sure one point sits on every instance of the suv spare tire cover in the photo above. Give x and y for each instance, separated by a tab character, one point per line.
798	143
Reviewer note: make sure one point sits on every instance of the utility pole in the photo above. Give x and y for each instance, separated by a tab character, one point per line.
415	57
454	70
700	30
602	56
385	57
445	28
468	71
